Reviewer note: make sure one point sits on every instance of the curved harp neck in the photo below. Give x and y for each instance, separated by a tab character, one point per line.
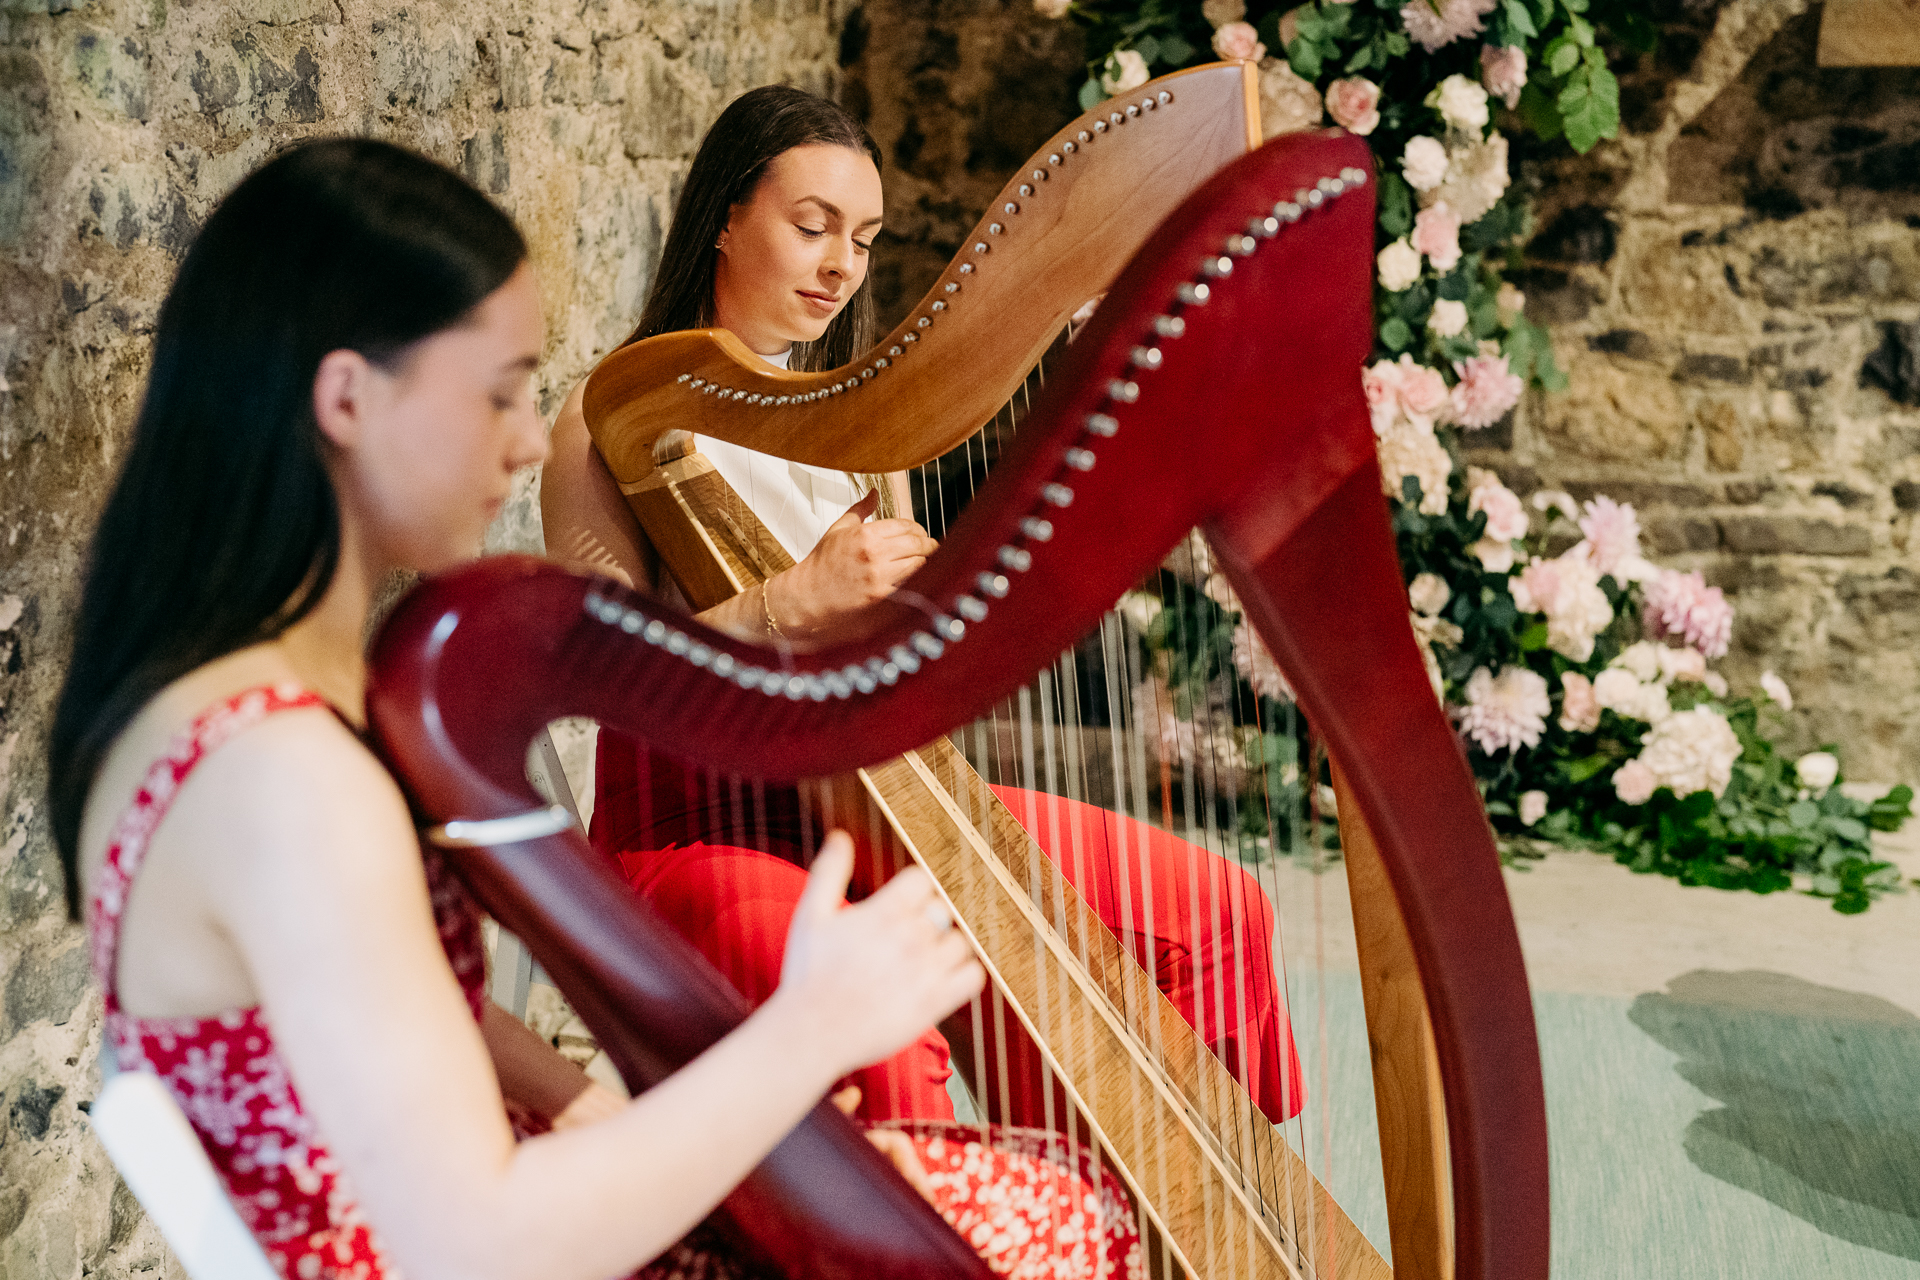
1056	236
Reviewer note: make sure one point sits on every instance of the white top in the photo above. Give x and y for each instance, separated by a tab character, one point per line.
795	501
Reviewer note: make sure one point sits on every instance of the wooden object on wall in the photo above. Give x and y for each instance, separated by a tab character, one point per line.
1870	33
1408	1102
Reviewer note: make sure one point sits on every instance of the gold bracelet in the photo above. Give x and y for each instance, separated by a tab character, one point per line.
766	607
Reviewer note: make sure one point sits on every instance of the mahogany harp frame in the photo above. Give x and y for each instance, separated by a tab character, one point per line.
1263	395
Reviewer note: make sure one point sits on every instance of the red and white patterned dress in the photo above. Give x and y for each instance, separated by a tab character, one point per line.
1033	1209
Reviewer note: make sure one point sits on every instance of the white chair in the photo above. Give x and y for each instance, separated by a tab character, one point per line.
166	1168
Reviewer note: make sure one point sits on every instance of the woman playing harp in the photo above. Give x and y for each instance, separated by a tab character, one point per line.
771	240
340	388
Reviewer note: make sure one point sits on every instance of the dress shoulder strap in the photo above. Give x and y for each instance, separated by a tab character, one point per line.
127	845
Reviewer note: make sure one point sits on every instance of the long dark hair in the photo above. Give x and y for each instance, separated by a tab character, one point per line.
222	530
756	127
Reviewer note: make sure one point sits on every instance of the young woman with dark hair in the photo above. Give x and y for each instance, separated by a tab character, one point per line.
340	388
771	240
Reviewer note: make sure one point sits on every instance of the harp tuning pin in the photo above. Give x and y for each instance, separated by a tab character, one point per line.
1082	135
773	683
867	372
966	268
1080	459
929	647
1039	175
1102	424
1058	495
1055	157
723	665
1315	199
949	628
1132	110
904	658
939	306
1287	211
952	287
1145	357
1164	97
1169	326
925	322
1242	246
970	609
698	383
747	677
683	377
817	688
1015	559
994	229
677	643
911	337
1037	529
753	399
795	687
1013	206
980	246
1356	177
699	655
1264	228
862	679
895	351
1215	268
883	362
631	622
1332	186
838	684
1123	392
1099	126
992	584
1193	295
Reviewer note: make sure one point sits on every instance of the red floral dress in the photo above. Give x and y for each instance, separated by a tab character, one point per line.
1028	1205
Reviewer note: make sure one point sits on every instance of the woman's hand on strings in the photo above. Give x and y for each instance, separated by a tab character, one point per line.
857	562
897	1147
869	978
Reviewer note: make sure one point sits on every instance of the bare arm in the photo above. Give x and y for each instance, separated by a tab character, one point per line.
312	867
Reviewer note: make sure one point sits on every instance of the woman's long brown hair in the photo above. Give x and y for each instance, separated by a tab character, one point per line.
755	128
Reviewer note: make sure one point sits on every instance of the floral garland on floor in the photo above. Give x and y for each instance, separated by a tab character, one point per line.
1579	680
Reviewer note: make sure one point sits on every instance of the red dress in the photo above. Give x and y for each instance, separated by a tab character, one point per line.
1032	1208
719	860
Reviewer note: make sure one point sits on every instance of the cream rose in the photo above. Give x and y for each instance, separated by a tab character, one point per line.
1399	265
1424	163
1125	70
1461	103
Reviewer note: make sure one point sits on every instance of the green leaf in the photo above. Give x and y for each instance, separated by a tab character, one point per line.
1396	205
1311	22
1396	334
1581	770
1850	829
1338	20
1148	47
1175	51
1362	58
1396	44
1541	113
1563	55
1520	20
1803	814
1090	94
1305	57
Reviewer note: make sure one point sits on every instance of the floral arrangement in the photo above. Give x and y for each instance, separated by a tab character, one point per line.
1576	671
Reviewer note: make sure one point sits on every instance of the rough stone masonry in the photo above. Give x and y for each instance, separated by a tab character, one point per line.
121	123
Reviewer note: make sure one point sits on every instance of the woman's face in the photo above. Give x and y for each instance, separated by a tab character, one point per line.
428	448
794	253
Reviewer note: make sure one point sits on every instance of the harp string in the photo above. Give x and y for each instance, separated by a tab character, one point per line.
1234	798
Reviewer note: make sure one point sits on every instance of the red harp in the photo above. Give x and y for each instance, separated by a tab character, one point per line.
1251	424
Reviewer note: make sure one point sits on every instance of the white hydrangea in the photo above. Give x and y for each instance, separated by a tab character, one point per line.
1618	690
1428	593
1567	590
1476	177
1449	317
1409	449
1692	751
1424	163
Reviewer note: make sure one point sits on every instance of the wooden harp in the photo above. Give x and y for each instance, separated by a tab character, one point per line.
1288	493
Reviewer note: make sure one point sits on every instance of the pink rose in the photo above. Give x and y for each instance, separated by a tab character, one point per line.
1423	391
1504	72
1436	233
1683	606
1635	783
1238	42
1506	516
1579	709
1354	104
1382	385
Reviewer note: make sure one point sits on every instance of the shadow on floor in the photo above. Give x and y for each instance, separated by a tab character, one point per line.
1822	1097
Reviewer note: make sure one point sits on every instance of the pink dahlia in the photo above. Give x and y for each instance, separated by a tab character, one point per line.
1684	606
1612	535
1507	711
1440	22
1486	390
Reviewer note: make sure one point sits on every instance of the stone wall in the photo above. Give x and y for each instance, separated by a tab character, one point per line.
121	123
1734	288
